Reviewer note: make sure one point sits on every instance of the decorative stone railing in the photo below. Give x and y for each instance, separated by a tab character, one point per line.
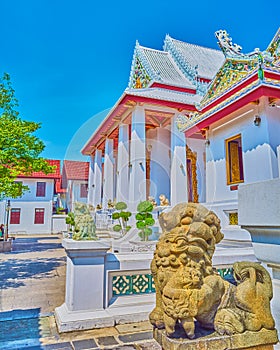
103	289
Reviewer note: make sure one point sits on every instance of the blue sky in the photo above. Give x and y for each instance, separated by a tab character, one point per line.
69	60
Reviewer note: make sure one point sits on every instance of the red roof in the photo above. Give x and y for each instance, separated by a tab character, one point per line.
40	174
75	170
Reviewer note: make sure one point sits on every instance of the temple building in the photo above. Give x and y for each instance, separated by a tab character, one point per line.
193	124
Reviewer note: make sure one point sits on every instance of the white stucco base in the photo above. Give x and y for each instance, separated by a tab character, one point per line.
126	310
68	320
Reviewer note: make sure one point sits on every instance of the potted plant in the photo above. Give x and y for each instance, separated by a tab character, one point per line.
145	219
122	216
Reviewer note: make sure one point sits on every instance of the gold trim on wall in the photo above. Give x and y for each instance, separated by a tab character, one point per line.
233	175
192	156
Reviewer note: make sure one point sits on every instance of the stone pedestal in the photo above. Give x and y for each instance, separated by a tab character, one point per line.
5	246
262	340
84	296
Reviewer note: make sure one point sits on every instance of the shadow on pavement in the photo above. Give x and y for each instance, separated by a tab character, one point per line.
13	271
20	329
36	244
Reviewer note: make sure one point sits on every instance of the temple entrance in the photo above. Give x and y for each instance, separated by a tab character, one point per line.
191	175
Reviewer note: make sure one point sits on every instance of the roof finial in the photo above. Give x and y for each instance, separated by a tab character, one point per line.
226	45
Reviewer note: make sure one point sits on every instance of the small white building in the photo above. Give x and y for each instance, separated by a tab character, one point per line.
32	213
74	183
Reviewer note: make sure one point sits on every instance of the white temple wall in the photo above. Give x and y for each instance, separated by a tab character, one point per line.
259	159
198	146
278	159
273	124
259	163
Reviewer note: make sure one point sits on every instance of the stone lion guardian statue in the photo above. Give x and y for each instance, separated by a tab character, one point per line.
84	223
189	290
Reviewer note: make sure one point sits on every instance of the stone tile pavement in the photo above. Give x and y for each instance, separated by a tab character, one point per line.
32	285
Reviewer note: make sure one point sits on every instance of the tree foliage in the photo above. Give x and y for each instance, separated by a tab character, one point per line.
20	149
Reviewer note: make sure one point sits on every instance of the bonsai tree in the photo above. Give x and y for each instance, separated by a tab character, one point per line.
70	220
144	219
122	216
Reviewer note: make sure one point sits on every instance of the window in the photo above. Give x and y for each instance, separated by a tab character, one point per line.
39	215
233	218
15	216
234	162
83	190
41	189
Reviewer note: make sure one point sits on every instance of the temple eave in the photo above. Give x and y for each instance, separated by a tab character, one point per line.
231	106
126	103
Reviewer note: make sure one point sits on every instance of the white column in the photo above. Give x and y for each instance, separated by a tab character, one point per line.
160	163
123	162
178	173
137	177
278	158
90	181
97	178
108	180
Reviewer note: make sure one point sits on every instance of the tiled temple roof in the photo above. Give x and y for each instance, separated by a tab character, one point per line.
179	64
190	57
151	65
164	67
165	94
243	78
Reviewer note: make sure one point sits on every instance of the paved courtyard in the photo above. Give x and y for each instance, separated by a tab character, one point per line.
32	285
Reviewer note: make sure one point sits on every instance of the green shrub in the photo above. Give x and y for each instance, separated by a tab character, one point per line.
144	219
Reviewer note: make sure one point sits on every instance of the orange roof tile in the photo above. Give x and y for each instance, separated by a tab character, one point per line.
40	174
75	170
